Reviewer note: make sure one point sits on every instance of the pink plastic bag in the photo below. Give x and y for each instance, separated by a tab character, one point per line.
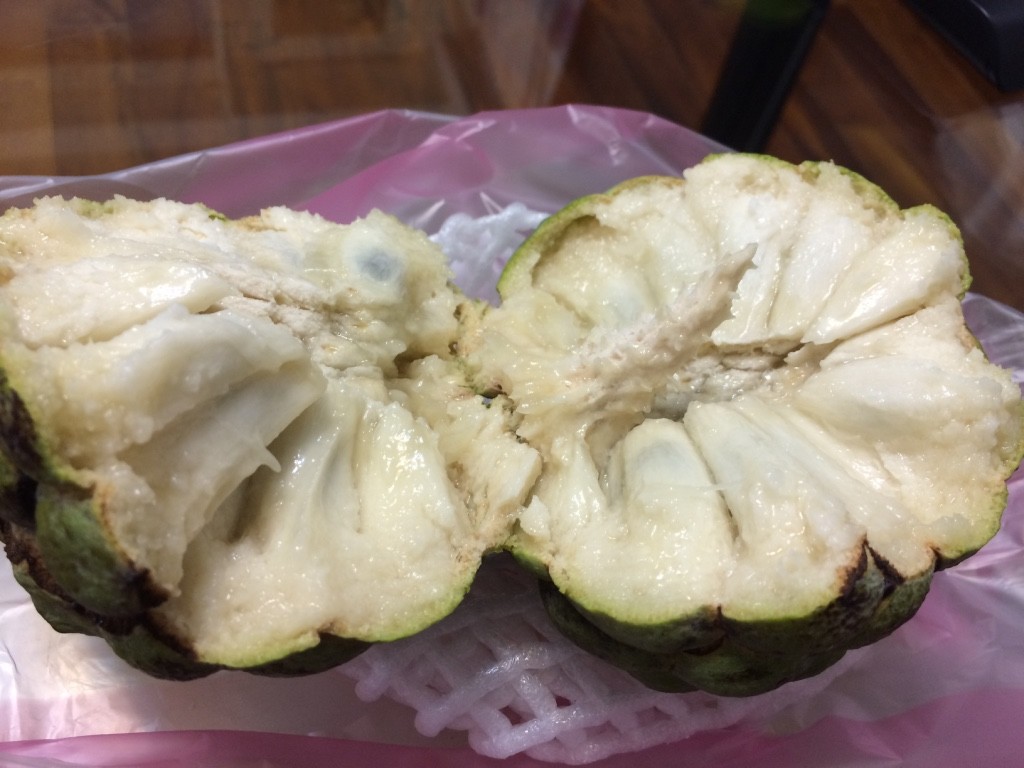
946	689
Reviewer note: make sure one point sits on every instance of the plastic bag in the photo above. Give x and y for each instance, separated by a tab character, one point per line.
944	689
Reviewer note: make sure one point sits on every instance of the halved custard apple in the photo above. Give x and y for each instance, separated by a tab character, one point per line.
763	421
735	421
240	444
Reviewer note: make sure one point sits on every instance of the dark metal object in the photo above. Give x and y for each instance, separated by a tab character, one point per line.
774	36
767	51
989	33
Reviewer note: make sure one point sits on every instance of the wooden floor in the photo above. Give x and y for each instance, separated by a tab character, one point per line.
90	86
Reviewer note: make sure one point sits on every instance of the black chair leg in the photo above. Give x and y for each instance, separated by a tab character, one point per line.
767	51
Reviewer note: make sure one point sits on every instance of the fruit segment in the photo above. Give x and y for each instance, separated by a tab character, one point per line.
244	444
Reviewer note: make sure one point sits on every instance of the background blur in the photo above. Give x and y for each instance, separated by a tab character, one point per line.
91	86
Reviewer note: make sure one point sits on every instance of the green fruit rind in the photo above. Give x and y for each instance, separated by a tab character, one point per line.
62	515
100	578
19	439
872	604
134	644
127	636
328	653
725	668
901	598
739	659
17	493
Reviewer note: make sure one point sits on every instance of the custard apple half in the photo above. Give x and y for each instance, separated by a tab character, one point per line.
763	421
240	444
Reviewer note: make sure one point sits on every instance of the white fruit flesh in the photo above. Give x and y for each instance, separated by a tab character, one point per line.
360	519
737	383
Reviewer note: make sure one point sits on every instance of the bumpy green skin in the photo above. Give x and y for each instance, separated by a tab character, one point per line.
17	494
101	579
133	643
64	516
126	635
707	651
725	668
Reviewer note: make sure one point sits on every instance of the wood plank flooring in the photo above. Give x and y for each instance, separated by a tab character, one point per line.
91	86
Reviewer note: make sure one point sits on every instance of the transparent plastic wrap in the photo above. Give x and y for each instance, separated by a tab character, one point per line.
494	683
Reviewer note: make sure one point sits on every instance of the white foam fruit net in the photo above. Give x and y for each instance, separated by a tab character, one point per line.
500	671
497	668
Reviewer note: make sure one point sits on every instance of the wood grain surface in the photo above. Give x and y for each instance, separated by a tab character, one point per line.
90	86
